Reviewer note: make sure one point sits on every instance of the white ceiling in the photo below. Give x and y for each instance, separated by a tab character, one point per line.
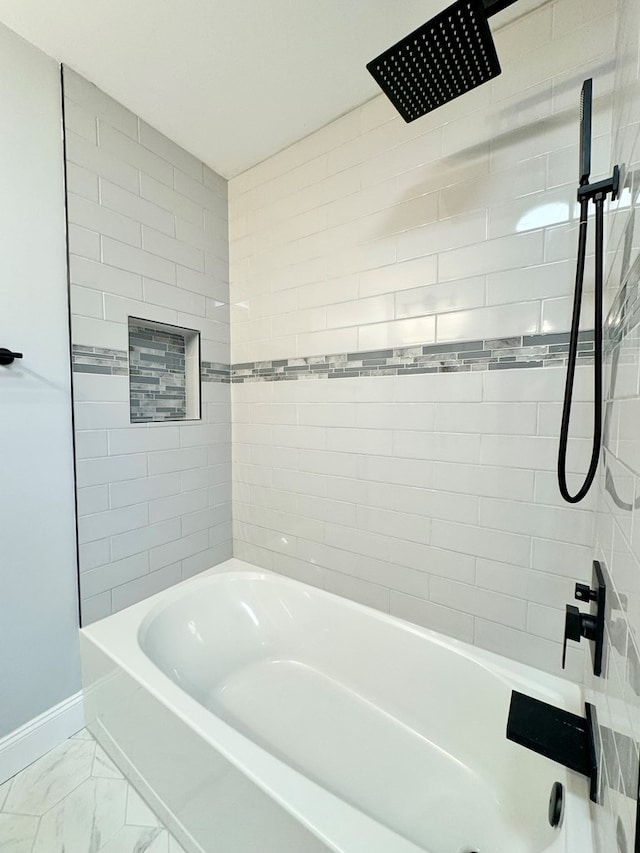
232	81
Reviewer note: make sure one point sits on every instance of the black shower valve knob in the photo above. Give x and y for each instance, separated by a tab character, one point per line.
576	626
591	624
572	625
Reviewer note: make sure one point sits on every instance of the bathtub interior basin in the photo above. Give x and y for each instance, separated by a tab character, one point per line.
338	711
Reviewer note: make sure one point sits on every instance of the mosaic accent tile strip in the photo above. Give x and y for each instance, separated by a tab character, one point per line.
112	362
512	353
157	374
624	314
528	351
215	371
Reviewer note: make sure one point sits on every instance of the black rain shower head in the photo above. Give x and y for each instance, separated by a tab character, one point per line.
444	58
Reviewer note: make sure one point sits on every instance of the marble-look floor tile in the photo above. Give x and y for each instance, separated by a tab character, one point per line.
85	820
4	792
88	806
103	766
49	779
17	832
83	734
138	812
174	847
138	839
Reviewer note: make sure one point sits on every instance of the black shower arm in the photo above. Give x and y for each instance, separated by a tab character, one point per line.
492	7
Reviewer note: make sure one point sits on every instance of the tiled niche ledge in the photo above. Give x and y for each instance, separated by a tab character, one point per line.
509	353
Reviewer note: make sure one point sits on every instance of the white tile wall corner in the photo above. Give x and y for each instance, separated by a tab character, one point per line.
148	238
430	496
617	693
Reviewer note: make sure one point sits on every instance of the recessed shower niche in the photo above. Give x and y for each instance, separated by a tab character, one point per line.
164	372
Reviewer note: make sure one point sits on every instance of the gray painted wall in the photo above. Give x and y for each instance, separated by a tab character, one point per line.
39	661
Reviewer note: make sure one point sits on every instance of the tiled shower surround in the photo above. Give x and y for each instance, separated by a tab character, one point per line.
617	536
147	239
444	251
430	268
157	378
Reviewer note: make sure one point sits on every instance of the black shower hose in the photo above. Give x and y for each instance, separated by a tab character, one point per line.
573	353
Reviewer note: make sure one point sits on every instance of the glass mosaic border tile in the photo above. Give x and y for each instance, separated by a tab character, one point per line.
215	371
509	353
111	362
157	374
624	315
114	362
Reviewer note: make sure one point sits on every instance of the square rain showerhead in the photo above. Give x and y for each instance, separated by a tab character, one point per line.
446	57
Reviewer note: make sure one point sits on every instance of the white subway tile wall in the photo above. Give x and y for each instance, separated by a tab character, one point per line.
431	496
617	693
373	233
147	238
410	490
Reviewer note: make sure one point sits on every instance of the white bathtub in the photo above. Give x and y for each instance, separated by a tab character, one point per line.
255	713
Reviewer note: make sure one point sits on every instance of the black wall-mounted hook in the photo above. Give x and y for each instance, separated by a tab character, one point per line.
7	357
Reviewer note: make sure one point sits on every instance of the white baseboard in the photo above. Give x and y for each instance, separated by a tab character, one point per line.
32	740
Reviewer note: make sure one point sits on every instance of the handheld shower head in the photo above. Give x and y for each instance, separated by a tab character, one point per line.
597	193
586	99
444	58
